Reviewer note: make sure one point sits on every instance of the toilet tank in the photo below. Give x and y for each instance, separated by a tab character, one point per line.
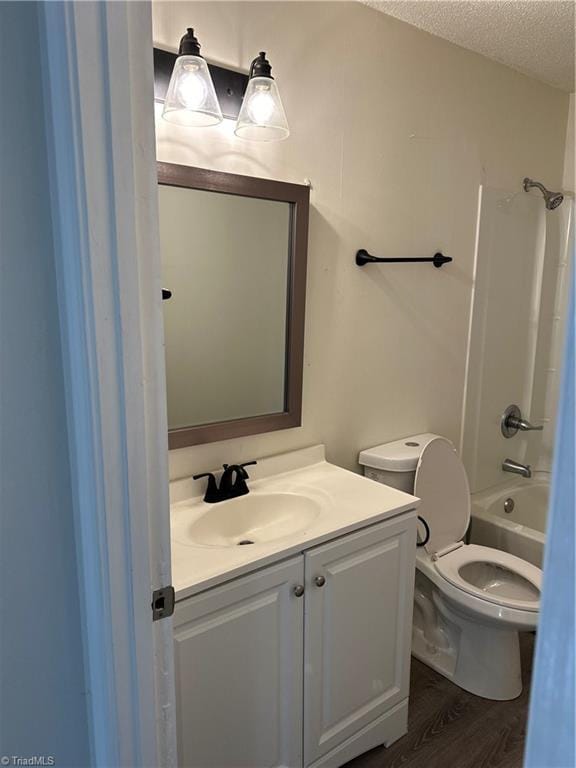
395	463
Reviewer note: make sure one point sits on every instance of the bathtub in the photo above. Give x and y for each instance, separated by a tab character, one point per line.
520	531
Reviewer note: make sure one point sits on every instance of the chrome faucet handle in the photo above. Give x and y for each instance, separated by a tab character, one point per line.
509	465
525	426
512	422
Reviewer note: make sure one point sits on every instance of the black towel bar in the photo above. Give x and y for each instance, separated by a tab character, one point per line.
363	257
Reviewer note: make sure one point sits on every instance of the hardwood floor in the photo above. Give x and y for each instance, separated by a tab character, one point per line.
450	728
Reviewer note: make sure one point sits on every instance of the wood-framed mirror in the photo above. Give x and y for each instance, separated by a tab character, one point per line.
234	252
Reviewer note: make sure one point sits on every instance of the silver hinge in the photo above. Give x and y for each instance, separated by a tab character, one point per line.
163	603
447	550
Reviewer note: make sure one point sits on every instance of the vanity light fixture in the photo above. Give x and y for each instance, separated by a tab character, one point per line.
262	116
191	99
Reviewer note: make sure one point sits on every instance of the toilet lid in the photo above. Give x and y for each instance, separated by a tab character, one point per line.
442	485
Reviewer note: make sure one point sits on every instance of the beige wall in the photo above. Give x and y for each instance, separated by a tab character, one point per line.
396	129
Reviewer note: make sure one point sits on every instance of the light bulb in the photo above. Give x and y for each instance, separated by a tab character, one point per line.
191	98
192	88
262	116
261	105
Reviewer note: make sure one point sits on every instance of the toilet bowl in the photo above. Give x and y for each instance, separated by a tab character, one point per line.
470	602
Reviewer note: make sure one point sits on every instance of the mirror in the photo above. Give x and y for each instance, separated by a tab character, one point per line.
233	252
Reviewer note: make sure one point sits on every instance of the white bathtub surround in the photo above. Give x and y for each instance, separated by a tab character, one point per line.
470	601
512	517
515	358
552	330
339	502
501	355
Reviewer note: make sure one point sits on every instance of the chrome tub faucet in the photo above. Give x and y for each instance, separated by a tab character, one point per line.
512	422
509	465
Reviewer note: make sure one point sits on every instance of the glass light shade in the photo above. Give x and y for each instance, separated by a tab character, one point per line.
191	98
262	116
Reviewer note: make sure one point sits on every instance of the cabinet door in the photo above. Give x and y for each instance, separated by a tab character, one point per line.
238	658
357	631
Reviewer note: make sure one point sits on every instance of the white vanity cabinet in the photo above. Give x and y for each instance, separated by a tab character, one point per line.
238	665
358	633
267	676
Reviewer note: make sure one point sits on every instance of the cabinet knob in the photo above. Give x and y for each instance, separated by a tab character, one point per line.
319	581
298	590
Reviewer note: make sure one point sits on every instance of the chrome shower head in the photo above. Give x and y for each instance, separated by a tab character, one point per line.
551	199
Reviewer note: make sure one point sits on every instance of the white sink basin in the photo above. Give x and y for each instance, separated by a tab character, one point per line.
252	519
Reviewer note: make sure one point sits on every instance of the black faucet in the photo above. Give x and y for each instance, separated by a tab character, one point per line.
227	489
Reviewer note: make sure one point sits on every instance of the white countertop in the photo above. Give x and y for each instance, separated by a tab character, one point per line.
348	501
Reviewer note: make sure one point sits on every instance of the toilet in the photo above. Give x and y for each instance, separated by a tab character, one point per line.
470	602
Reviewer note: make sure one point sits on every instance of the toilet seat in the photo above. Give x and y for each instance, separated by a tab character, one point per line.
488	574
491	575
442	485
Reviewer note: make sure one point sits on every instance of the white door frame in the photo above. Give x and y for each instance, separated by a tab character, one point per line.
98	74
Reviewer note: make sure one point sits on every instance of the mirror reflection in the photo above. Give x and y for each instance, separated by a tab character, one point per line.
226	260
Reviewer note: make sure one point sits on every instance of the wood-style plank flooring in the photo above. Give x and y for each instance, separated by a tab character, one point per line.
450	728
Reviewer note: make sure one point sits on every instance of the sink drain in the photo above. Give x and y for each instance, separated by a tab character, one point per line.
245	541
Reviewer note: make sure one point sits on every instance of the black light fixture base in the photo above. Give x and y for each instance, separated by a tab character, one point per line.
189	45
260	67
363	258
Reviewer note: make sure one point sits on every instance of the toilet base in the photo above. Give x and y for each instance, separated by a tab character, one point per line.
502	683
480	658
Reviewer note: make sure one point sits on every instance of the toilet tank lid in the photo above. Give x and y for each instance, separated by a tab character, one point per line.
398	456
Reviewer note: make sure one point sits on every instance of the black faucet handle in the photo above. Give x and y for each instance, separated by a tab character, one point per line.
204	474
239	469
246	464
211	494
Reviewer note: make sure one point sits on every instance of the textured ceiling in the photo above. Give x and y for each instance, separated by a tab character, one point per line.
533	36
